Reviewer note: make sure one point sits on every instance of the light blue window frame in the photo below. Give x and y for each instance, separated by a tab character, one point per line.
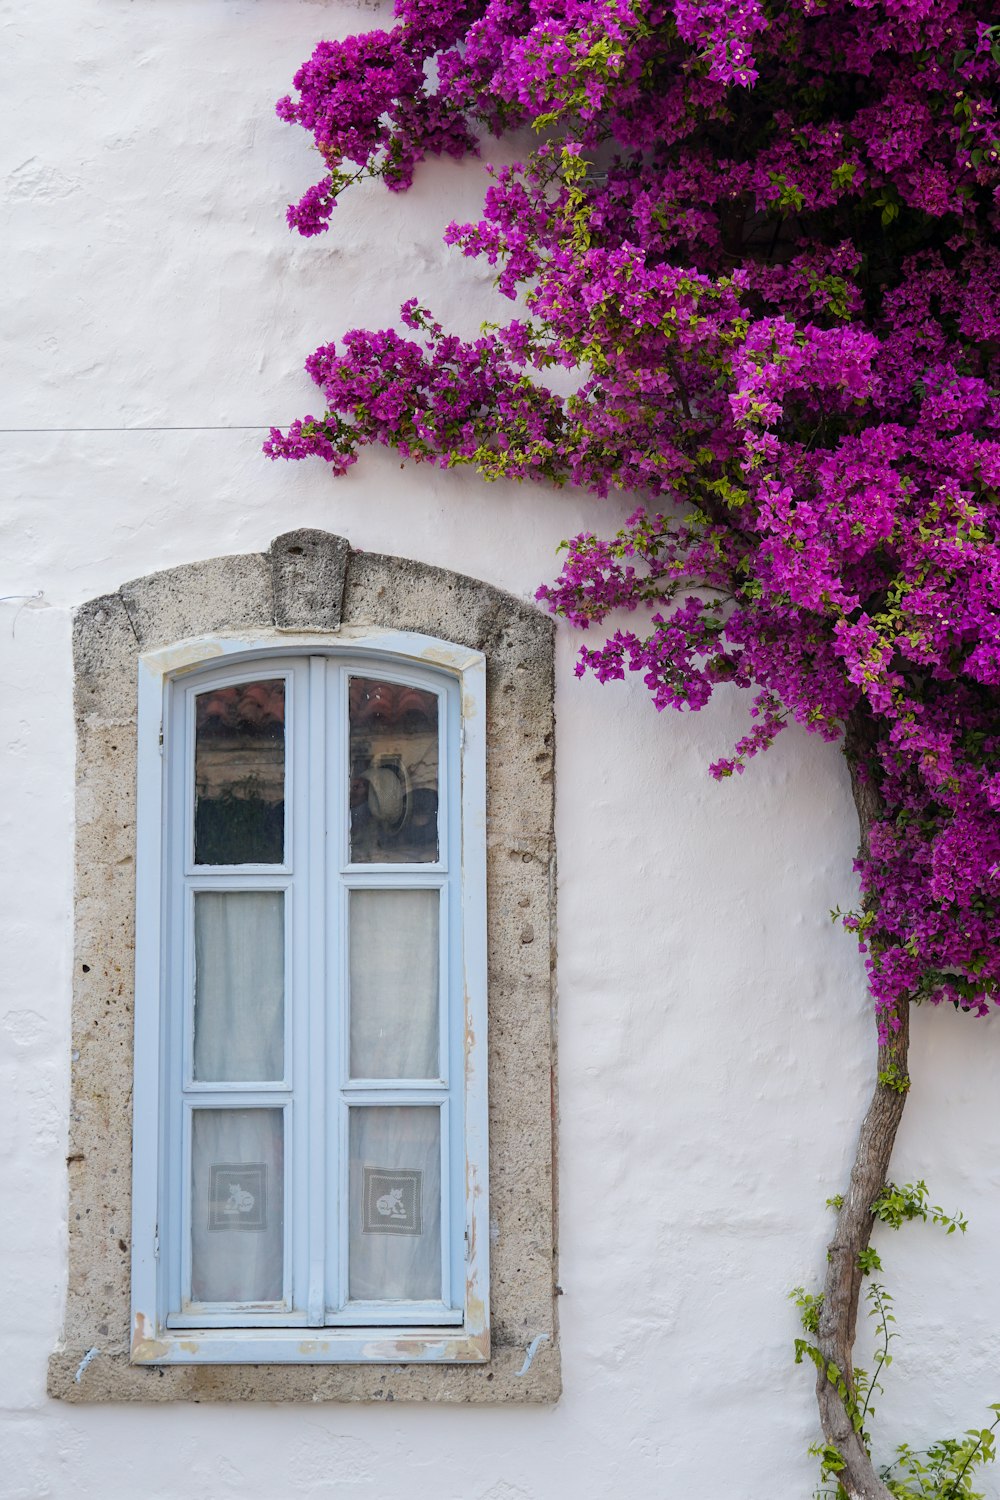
314	1321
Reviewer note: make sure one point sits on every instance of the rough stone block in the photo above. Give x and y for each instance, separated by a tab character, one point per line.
308	572
222	593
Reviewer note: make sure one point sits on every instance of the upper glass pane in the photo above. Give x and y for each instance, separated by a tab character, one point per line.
239	774
394	773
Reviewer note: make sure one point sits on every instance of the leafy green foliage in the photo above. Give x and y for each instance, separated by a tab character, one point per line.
892	1078
809	1305
896	1206
947	1469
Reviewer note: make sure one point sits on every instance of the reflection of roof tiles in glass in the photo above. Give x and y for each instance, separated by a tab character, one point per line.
391	705
240	746
247	708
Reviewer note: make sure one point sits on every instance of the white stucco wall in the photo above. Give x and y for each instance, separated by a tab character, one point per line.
715	1043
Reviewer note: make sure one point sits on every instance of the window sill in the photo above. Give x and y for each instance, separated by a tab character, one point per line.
303	1346
517	1374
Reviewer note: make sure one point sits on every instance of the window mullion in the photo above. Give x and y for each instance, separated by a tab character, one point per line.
311	816
336	922
176	963
453	1166
338	852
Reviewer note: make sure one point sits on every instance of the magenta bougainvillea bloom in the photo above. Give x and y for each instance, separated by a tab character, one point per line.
765	237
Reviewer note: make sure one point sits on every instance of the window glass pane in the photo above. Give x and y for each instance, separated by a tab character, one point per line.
237	1205
239	992
394	983
239	774
394	773
395	1204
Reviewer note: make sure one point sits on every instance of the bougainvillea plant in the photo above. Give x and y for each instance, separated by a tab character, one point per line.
764	237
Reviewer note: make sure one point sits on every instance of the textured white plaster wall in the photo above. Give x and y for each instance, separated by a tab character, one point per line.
715	1044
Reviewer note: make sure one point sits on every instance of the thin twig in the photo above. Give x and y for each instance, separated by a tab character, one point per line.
882	1357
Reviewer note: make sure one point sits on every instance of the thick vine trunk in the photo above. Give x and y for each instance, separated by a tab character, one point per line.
841	1292
842	1289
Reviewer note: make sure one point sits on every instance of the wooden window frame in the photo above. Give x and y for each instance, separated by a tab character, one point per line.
157	1337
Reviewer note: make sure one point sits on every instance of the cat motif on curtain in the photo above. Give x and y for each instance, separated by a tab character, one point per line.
390	1205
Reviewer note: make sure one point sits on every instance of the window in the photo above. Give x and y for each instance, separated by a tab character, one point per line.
310	1101
303	621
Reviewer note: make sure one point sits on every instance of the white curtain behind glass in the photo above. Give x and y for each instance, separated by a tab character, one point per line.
237	1205
394	983
395	1203
239	986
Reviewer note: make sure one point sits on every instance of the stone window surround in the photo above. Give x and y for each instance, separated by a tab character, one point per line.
313	581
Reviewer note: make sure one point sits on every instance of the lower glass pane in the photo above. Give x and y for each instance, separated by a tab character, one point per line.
237	1205
395	1204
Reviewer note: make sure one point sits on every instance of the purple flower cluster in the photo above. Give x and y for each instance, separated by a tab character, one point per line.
766	241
